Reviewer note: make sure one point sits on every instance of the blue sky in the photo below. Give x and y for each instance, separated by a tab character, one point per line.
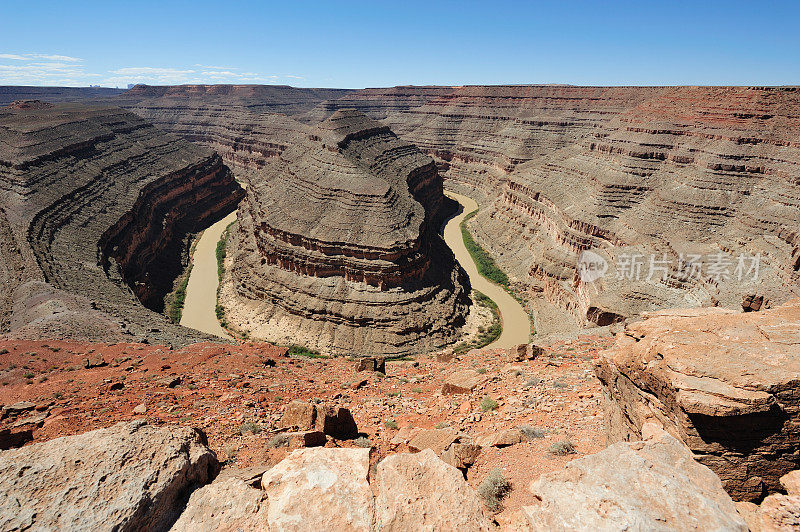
376	44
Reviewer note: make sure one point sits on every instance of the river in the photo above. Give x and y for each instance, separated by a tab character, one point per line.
199	308
516	323
200	305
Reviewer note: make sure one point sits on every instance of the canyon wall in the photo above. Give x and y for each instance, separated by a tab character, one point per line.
694	179
338	249
96	208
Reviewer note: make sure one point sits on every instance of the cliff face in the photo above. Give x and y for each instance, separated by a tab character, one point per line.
97	204
338	247
677	174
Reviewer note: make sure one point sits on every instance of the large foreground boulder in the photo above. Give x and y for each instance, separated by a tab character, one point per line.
320	489
227	505
646	485
420	492
131	476
724	383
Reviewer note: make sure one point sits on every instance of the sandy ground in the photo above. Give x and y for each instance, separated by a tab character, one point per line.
516	324
199	308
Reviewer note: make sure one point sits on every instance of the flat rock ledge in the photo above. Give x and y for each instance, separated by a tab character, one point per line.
722	382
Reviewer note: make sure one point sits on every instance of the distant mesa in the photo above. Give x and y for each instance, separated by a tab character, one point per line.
338	248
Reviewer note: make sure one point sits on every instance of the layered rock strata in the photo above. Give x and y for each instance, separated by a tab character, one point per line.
96	205
672	173
724	383
338	249
679	175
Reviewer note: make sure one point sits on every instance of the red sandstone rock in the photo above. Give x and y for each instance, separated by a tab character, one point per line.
721	382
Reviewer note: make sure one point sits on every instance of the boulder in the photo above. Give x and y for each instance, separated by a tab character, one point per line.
333	421
371	364
523	352
645	485
320	489
16	409
464	381
503	438
226	505
780	513
435	439
298	414
421	492
723	382
131	476
461	455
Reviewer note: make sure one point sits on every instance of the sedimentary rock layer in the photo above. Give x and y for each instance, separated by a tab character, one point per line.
724	383
96	205
245	124
338	247
672	173
669	172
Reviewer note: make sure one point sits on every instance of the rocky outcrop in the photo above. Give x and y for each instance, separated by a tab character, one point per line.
338	249
131	476
645	485
724	383
96	207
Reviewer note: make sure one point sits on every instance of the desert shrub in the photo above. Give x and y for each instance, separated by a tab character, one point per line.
302	351
493	489
532	432
251	427
442	425
488	404
27	375
231	451
562	448
3	351
416	390
363	441
533	381
393	394
482	371
391	424
280	440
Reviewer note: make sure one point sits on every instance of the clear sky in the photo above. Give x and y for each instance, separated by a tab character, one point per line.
402	42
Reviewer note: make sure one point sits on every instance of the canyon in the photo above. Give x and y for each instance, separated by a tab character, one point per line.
337	247
677	175
659	390
94	216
